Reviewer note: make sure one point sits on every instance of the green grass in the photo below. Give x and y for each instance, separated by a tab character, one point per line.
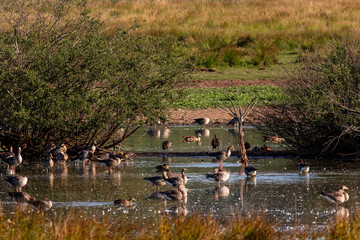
202	98
286	60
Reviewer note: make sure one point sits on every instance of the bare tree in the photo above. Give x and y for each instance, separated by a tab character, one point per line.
240	116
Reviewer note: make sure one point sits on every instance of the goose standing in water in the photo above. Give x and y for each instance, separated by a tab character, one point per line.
124	203
13	160
202	121
41	205
61	148
223	155
166	145
303	168
86	154
215	142
157	181
48	162
176	180
250	171
219	175
177	194
111	163
17	182
339	196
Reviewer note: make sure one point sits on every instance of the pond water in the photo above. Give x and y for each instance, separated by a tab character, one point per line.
278	191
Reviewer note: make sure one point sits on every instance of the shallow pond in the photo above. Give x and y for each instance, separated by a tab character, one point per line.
278	192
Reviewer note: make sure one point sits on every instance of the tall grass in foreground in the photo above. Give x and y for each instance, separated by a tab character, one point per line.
34	226
236	32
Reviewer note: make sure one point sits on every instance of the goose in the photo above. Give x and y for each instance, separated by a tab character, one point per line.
20	197
219	174
250	171
13	160
16	181
339	196
61	148
176	180
189	139
111	163
166	145
223	155
49	150
48	162
92	146
123	202
177	194
157	181
84	156
41	205
161	168
215	142
202	121
62	157
303	168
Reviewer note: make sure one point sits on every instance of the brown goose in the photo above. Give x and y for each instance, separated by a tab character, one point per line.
250	171
13	160
223	155
174	194
62	157
61	148
20	197
123	202
48	162
339	196
166	145
189	139
219	174
41	205
157	181
161	168
92	146
176	180
201	121
16	181
111	163
303	168
215	142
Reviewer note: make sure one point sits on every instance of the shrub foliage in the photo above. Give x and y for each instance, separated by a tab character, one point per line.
63	78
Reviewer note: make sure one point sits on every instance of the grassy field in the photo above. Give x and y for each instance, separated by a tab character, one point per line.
28	225
236	33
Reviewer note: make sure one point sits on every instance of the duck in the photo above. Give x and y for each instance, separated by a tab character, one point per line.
41	205
48	162
202	121
16	181
13	160
189	139
20	197
177	194
339	196
219	174
176	180
215	142
111	163
250	171
303	168
274	139
157	181
223	155
166	145
125	203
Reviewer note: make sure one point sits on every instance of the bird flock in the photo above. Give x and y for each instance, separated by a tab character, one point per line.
178	181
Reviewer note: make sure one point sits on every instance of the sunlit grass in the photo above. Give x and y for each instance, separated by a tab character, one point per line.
202	98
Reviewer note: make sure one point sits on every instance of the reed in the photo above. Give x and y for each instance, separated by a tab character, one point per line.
236	32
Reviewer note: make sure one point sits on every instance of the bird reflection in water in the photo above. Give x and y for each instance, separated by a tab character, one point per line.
341	212
203	131
219	192
50	176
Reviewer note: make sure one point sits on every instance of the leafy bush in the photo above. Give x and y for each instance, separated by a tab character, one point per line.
63	79
323	114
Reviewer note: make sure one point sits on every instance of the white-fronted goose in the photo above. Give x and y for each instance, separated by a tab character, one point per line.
166	145
16	181
13	160
250	171
189	139
303	168
223	155
202	121
174	194
48	162
41	205
123	202
20	197
339	196
215	142
176	180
